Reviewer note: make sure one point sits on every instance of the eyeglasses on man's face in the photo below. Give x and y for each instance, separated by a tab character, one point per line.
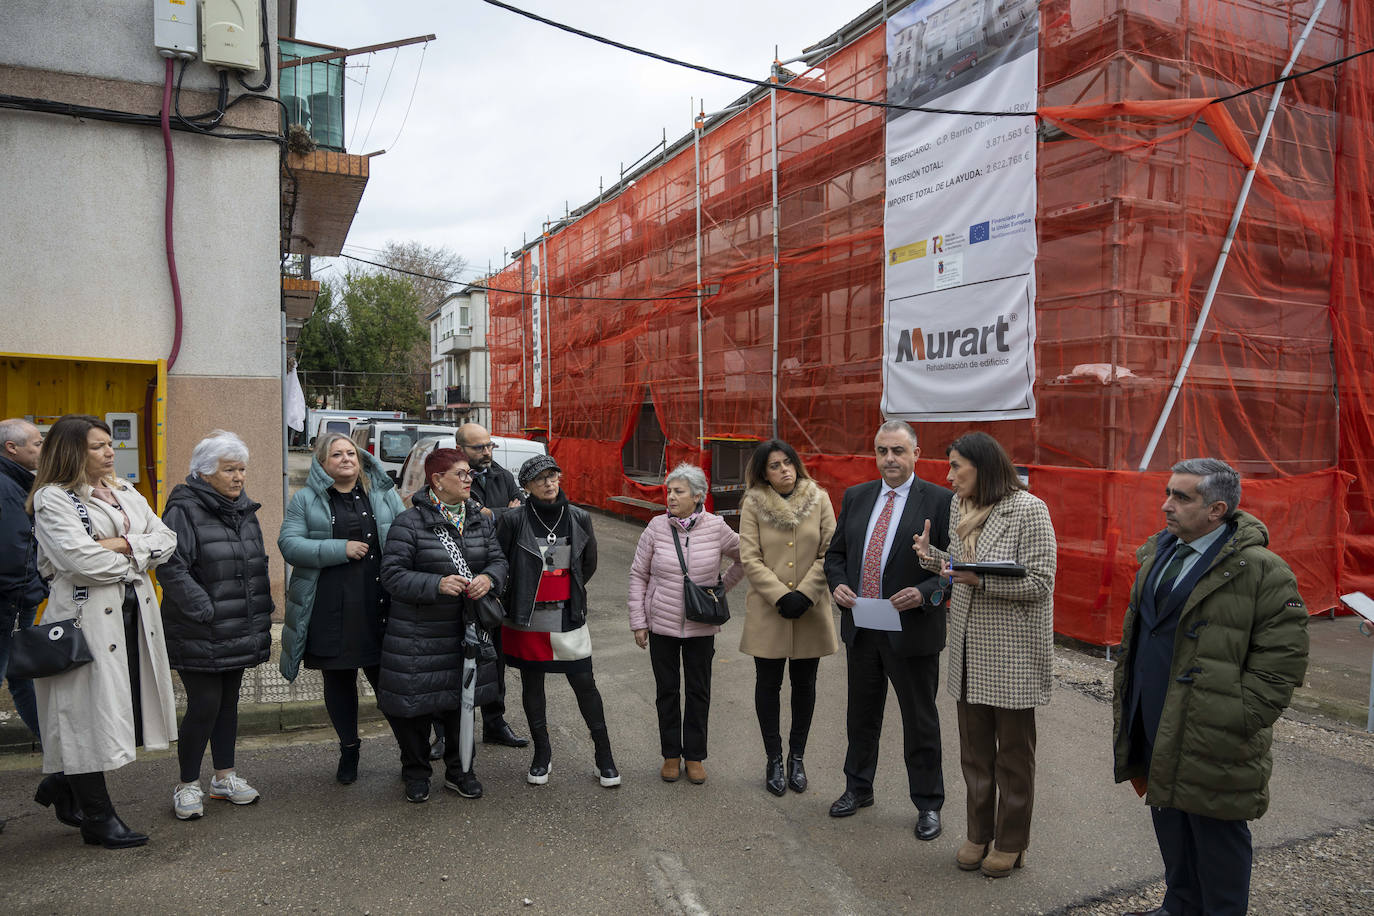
479	447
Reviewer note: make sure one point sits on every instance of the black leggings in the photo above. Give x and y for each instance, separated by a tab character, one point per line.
583	685
212	714
341	699
767	702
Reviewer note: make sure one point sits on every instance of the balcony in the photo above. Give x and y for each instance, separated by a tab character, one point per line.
322	186
457	396
451	342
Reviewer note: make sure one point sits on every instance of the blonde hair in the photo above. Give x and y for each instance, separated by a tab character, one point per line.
324	443
62	463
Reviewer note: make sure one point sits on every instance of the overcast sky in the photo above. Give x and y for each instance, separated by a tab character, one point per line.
512	118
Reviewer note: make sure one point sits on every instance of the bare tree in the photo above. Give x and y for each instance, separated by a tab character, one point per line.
439	268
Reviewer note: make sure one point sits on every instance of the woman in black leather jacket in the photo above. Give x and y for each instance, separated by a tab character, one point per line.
552	552
431	587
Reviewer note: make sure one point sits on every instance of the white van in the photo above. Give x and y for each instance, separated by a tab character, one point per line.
390	441
507	451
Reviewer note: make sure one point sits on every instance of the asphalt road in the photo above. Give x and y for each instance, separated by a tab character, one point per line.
646	847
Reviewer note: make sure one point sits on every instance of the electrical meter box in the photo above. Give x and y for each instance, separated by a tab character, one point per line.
124	432
174	28
231	34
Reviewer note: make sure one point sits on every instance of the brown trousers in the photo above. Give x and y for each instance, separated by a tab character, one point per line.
997	754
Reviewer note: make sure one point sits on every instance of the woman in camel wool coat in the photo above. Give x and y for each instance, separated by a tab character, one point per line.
786	521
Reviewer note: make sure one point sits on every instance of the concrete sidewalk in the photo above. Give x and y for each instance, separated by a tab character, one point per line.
573	847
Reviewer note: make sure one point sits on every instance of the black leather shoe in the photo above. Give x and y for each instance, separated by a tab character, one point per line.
850	802
773	780
1160	911
928	825
796	773
54	790
504	736
436	750
110	832
347	772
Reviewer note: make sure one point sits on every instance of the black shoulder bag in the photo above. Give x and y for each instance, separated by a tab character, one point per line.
488	608
701	603
52	648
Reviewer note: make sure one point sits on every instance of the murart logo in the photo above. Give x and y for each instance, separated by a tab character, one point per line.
918	344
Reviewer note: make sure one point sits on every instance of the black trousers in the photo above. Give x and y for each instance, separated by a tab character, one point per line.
915	679
583	684
494	713
1206	863
212	715
131	637
412	735
682	727
768	703
341	699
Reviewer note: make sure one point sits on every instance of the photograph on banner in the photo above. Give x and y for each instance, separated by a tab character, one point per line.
959	225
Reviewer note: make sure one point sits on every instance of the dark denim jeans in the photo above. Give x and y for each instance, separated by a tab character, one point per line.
20	690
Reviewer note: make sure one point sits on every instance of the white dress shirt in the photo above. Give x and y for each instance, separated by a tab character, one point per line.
898	506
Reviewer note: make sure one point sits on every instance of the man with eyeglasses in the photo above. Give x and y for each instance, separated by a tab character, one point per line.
493	486
495	490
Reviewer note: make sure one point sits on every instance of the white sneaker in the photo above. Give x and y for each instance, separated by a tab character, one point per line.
233	788
186	801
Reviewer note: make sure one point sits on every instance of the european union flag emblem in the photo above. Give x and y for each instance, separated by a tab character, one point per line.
979	232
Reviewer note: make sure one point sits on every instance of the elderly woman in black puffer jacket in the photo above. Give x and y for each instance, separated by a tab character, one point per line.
431	587
216	613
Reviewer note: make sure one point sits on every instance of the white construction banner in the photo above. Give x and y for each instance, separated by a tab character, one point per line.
959	320
536	330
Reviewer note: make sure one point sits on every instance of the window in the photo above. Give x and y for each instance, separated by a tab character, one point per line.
643	455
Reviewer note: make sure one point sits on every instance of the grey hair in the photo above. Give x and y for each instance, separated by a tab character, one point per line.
218	444
16	430
1220	482
896	426
690	474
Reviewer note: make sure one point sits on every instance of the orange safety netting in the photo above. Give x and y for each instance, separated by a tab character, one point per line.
1136	187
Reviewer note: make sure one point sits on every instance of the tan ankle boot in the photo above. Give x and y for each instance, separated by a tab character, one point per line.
696	773
971	855
672	769
998	864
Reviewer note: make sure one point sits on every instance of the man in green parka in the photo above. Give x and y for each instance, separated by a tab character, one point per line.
1214	642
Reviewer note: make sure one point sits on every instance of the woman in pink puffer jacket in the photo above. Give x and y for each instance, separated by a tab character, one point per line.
679	648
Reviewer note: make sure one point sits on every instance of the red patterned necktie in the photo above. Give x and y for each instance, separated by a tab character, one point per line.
871	585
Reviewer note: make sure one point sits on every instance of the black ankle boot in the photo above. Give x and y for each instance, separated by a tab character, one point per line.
606	772
347	773
796	773
773	780
56	792
543	756
100	825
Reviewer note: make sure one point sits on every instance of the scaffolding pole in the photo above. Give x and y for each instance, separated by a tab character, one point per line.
1220	267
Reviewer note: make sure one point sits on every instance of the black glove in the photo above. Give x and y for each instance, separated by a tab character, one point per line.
793	604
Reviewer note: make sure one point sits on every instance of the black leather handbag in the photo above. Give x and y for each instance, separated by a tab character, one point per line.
701	603
47	649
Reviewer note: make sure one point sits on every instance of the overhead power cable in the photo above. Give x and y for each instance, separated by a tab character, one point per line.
498	289
895	106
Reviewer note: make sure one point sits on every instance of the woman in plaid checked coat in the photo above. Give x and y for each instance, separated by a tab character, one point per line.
1001	633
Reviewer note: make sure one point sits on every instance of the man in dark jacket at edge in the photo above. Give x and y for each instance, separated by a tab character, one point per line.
1214	642
494	488
21	588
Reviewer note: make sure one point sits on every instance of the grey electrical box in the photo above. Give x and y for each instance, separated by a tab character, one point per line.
230	33
174	28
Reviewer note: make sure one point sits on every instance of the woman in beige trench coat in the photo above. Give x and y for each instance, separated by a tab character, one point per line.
786	521
95	715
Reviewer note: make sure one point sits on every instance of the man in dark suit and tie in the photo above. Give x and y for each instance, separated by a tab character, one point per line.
870	556
1214	642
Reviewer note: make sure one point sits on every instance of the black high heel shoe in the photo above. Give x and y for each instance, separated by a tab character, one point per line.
55	792
773	779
